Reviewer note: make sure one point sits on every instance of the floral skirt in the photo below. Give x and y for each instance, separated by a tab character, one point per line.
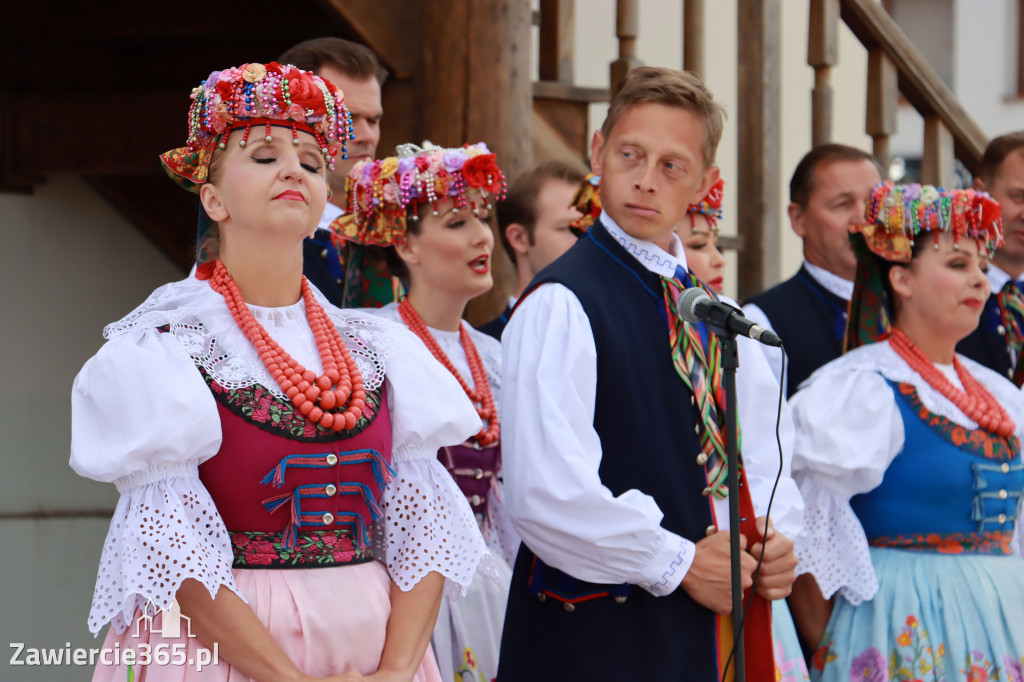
935	617
789	658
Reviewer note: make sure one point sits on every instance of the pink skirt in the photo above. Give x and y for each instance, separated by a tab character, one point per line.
329	621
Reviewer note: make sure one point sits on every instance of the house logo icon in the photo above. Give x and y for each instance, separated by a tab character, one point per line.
170	624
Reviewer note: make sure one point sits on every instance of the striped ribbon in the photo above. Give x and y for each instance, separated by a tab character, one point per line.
1011	312
694	364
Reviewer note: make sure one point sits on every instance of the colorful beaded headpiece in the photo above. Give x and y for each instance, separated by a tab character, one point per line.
710	206
587	201
896	217
262	95
380	193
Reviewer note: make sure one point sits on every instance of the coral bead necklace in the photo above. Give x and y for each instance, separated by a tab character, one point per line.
320	399
974	401
481	393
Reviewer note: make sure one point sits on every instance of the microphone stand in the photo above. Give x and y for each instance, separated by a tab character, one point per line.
730	363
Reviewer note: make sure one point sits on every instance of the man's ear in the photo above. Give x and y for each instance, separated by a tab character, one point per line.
707	181
213	203
518	238
596	149
796	219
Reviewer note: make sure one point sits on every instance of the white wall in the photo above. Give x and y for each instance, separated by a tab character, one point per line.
70	264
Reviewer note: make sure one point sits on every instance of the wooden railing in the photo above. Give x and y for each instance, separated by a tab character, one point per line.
894	67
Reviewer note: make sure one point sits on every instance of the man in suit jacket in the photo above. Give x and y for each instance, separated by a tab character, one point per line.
828	193
533	223
996	343
357	72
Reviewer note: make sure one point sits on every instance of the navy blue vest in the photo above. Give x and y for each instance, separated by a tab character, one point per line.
322	266
647	430
986	345
811	321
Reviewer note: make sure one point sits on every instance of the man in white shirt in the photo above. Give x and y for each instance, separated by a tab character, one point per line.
624	568
357	72
828	192
996	343
533	223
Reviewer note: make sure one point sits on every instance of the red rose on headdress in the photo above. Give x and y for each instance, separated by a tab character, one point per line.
482	172
304	91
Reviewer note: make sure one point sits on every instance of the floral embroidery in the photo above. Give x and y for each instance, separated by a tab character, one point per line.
258	549
468	671
991	542
977	668
1014	668
258	406
869	666
976	441
913	658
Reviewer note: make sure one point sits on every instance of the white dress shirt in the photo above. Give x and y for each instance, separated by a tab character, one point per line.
552	453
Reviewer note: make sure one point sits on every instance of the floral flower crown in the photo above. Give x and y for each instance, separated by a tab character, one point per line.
897	214
380	193
587	201
710	206
258	95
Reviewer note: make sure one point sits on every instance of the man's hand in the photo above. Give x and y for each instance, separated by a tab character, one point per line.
778	569
709	580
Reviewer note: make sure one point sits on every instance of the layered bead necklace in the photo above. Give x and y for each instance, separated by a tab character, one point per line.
974	401
320	399
481	393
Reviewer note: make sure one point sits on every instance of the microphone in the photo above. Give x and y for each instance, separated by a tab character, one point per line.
695	306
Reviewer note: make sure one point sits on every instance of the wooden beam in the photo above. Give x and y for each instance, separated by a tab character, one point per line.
822	54
758	112
392	29
627	24
557	40
918	82
693	36
937	159
882	102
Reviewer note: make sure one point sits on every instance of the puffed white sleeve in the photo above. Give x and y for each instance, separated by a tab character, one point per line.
848	430
552	455
143	419
765	456
428	524
773	355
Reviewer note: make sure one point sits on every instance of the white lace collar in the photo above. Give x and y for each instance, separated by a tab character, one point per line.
843	288
881	358
199	320
648	254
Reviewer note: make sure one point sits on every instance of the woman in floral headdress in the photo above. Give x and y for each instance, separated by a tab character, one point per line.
267	445
908	456
428	208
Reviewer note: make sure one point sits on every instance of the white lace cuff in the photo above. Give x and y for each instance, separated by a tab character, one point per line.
429	526
500	534
833	547
163	531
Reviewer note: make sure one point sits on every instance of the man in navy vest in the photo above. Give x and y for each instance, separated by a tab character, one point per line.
533	223
993	343
622	574
828	193
356	71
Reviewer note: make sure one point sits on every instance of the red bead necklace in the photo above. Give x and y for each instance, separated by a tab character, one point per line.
318	398
974	401
481	395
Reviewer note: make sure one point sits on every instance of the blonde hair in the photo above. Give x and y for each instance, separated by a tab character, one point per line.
682	89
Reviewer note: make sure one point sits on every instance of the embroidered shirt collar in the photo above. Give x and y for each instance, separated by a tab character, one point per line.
330	213
843	288
648	254
997	277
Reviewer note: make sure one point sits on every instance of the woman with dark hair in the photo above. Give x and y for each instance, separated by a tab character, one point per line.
428	208
908	457
267	445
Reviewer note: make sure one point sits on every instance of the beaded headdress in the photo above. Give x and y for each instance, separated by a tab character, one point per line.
587	201
895	218
380	193
261	96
